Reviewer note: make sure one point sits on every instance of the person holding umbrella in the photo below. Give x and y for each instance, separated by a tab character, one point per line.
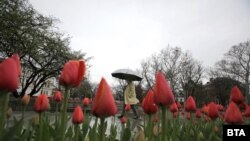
129	92
130	98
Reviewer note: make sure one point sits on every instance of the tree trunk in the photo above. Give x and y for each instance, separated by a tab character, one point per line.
247	88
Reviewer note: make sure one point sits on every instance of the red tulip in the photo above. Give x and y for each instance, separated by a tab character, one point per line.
163	94
173	108
198	113
41	103
10	70
57	96
178	104
148	105
86	101
123	120
232	114
77	116
220	107
104	104
127	107
72	73
213	112
190	105
204	109
247	112
236	95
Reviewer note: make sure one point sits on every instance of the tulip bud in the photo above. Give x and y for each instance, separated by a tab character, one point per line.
86	101
10	70
77	117
57	96
41	103
123	120
190	104
127	107
25	100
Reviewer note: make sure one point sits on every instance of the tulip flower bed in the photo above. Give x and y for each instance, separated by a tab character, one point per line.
164	119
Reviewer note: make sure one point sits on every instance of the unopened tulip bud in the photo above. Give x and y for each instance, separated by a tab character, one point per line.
26	100
127	107
57	96
86	101
123	120
77	117
41	103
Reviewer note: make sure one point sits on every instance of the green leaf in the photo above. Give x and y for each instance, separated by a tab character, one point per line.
11	134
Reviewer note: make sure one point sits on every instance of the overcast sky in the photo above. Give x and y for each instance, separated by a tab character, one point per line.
121	33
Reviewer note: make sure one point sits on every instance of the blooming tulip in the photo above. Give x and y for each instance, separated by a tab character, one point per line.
41	103
10	70
190	105
57	96
77	116
104	104
236	95
72	73
148	105
163	95
232	114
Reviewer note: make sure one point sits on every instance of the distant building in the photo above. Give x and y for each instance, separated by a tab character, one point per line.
180	98
48	88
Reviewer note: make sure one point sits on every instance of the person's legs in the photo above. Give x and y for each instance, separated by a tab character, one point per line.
135	112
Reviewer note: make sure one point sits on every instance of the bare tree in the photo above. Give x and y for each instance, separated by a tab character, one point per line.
236	64
191	73
179	67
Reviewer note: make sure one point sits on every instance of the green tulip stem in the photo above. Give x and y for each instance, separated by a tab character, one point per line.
163	120
56	118
102	130
4	107
64	114
150	129
40	127
76	132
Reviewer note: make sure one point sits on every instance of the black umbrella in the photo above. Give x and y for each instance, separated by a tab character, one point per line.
127	74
